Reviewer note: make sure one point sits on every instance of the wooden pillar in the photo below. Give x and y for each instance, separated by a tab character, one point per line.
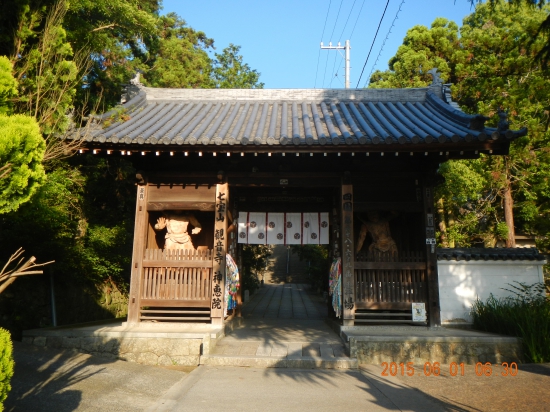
432	305
140	234
220	249
348	255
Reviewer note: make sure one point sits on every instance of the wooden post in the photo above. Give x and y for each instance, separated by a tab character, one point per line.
432	305
220	249
348	275
140	234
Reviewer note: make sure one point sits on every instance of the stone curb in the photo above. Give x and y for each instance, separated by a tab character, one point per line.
303	362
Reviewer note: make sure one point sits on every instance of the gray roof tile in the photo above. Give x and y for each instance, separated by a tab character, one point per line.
301	118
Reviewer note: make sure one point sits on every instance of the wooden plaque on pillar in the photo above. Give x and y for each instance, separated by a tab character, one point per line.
220	249
348	276
432	305
140	234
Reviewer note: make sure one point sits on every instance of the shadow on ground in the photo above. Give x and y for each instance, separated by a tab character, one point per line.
47	379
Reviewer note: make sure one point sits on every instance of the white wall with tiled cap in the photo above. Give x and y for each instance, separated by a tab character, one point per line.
461	282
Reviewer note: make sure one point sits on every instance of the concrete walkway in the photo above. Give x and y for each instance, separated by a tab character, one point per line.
283	326
284	301
57	380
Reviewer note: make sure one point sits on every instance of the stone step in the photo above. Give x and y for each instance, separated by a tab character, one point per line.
297	362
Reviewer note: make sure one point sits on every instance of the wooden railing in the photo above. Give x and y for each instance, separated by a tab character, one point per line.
387	281
176	278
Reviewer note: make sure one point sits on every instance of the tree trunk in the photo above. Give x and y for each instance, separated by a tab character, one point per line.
508	207
442	225
509	215
450	223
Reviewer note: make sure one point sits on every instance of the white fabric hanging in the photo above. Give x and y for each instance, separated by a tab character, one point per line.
242	232
293	228
310	228
324	230
257	234
275	228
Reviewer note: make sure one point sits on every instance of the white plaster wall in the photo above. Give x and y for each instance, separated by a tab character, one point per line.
461	282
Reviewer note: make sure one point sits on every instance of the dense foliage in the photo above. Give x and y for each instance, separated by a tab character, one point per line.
526	315
63	60
21	147
254	262
6	365
491	61
319	264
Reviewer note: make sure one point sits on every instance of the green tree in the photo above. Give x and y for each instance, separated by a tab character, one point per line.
179	57
422	50
492	65
231	73
21	153
6	365
8	86
21	148
543	31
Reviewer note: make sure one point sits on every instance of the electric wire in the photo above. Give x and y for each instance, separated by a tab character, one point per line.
383	44
357	19
326	64
373	40
322	34
339	39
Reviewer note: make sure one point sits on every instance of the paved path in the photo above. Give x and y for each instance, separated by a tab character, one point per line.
284	301
283	326
56	380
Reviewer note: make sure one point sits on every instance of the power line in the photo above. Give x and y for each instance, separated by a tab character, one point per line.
340	38
384	42
373	40
326	64
356	20
322	34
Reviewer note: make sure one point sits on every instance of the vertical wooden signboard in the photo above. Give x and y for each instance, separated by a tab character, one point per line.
432	306
220	249
140	234
348	277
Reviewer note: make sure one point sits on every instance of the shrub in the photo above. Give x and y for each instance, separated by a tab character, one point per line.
6	365
525	315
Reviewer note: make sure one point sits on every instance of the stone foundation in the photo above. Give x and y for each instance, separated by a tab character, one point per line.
375	350
147	345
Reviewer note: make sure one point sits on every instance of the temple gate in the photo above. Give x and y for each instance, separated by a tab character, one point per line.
367	159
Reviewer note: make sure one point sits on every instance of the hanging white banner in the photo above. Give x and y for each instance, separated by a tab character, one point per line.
293	228
310	228
275	228
324	231
242	229
257	228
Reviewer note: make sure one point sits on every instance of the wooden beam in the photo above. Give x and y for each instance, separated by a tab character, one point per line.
174	303
177	264
348	275
433	308
220	249
384	306
397	206
140	235
391	265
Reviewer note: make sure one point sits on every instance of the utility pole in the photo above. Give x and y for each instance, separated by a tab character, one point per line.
347	49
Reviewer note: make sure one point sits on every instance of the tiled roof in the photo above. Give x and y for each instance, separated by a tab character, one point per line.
489	254
291	117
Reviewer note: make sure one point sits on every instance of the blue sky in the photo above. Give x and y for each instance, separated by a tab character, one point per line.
281	38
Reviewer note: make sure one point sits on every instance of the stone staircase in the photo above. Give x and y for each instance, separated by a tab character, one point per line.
277	267
259	354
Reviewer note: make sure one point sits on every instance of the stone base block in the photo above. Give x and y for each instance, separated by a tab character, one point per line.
144	350
444	351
